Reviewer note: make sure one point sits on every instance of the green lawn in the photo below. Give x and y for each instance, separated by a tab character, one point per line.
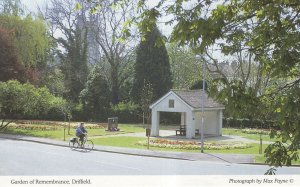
119	141
55	134
133	127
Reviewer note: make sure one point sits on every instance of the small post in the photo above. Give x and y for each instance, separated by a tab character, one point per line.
260	145
202	108
148	132
64	133
260	139
143	118
69	127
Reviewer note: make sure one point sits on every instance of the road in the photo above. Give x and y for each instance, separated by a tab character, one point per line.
27	158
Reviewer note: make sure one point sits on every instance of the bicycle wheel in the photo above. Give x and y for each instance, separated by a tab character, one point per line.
73	145
89	145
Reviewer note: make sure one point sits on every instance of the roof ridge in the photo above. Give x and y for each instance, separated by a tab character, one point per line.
186	90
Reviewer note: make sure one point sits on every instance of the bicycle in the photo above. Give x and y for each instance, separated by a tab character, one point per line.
86	144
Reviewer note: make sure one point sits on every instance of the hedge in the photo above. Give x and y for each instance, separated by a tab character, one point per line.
248	123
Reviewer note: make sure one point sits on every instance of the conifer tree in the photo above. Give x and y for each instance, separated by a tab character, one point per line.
152	66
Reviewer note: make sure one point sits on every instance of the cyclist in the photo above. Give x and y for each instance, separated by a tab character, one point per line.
81	132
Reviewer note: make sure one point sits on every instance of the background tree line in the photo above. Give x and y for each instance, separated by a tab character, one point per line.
82	57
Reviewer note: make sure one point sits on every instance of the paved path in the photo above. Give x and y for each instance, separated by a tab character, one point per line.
232	138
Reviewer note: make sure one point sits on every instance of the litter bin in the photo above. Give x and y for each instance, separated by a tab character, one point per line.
148	132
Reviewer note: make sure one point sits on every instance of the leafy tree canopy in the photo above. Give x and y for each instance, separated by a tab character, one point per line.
29	37
186	67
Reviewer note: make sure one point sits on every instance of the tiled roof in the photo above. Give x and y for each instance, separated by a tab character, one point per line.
194	99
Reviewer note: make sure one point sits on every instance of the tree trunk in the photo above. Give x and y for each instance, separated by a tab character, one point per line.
115	85
3	126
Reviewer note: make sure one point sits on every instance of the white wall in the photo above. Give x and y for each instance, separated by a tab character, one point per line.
155	116
211	122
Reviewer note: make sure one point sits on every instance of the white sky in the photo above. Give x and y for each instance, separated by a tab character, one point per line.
32	5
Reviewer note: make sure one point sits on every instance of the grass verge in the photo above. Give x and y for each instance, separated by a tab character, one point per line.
262	159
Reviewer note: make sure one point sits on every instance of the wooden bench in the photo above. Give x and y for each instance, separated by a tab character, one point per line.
181	131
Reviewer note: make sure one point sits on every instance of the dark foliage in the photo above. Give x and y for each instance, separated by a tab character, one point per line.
152	66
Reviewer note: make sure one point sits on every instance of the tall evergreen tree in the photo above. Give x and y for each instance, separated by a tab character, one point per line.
152	66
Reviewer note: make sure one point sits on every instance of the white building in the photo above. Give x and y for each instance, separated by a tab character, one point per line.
189	103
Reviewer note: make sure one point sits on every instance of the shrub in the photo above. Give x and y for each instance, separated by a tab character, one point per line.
126	112
25	101
247	123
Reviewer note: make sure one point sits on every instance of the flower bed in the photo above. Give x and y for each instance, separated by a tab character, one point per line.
60	123
53	126
36	127
192	145
98	126
39	122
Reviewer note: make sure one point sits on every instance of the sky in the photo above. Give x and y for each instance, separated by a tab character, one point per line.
32	5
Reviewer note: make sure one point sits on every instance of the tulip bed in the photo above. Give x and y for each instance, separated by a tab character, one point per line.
192	145
42	126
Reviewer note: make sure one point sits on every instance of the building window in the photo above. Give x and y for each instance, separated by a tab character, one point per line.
171	103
